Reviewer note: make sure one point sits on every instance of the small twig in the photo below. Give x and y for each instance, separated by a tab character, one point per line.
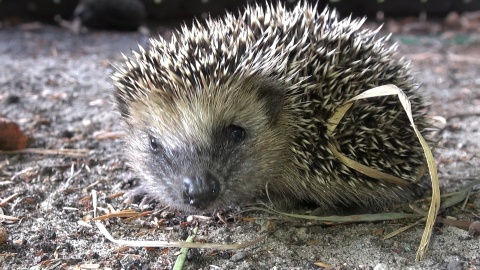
64	152
466	200
6	183
122	214
12	218
462	115
404	228
8	199
104	135
461	224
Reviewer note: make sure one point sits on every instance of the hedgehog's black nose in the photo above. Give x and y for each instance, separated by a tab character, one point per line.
200	191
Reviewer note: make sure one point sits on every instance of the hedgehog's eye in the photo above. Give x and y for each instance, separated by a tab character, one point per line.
236	134
154	145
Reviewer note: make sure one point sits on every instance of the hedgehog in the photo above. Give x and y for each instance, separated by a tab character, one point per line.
235	108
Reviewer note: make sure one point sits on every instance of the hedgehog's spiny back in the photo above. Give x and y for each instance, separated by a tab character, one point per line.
274	43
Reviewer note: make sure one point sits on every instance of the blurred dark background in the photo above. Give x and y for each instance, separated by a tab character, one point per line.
22	11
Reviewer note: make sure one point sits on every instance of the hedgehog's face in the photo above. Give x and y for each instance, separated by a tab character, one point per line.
210	149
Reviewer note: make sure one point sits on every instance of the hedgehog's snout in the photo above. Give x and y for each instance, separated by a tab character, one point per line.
200	190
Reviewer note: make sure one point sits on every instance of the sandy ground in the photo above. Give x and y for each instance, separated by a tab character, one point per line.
56	86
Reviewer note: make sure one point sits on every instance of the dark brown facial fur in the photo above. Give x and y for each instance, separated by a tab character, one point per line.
199	162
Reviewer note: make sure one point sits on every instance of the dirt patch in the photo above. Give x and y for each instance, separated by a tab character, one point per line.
56	86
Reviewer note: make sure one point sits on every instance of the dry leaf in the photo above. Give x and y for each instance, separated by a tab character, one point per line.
11	136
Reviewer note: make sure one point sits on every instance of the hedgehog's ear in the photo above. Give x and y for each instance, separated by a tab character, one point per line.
272	95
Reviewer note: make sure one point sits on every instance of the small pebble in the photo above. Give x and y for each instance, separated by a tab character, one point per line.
238	256
455	265
474	229
381	266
